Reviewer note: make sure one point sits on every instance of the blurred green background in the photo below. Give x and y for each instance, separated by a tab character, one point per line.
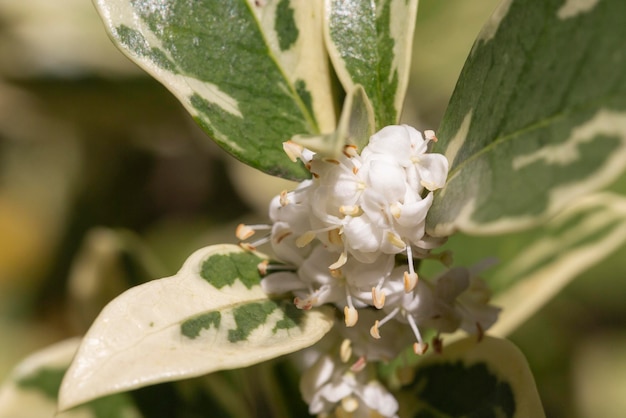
105	181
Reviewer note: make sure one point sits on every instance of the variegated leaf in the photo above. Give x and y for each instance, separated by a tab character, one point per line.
355	127
489	378
212	315
534	265
370	44
538	117
577	239
32	388
252	73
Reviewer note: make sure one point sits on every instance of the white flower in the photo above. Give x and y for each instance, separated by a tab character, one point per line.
456	299
368	204
409	149
353	285
329	386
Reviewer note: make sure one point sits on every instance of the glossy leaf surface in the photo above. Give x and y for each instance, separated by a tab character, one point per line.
538	116
252	74
212	315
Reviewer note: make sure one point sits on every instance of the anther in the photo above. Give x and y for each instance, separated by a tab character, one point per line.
343	258
284	199
293	150
334	236
243	232
410	281
305	239
395	240
354	210
282	236
304	304
430	135
359	365
420	348
351	316
350	150
395	210
410	277
345	350
350	404
374	332
247	246
262	267
336	273
378	298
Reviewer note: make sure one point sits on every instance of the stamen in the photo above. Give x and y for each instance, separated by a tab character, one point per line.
378	298
305	239
336	274
284	199
410	281
305	304
247	246
252	246
282	236
345	350
243	232
420	346
359	365
410	277
332	161
350	404
264	267
430	135
351	316
351	210
374	330
395	240
293	150
350	150
309	236
395	210
334	236
377	324
343	258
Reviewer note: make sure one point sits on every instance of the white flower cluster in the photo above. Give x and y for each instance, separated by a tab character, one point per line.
339	234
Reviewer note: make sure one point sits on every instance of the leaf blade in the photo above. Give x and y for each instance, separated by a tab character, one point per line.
538	117
534	265
370	44
31	389
217	60
470	378
184	326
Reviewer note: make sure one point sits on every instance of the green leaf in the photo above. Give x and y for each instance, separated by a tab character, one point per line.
534	265
212	315
370	44
32	388
489	378
252	74
538	117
